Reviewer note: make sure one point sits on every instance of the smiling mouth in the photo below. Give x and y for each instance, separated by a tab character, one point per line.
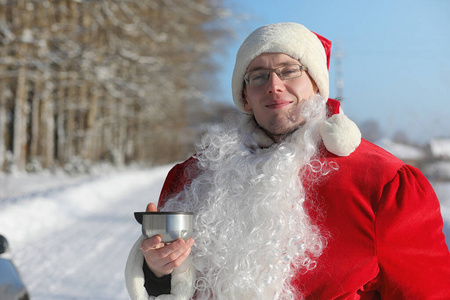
278	104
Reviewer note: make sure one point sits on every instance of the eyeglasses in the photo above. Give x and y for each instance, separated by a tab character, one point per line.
260	77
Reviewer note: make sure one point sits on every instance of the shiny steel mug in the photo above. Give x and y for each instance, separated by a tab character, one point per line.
170	225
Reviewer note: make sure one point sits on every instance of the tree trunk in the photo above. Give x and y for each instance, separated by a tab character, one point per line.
4	91
91	128
61	116
20	115
35	119
20	121
48	128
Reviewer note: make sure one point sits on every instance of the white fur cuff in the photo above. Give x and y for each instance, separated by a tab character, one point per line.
182	284
340	135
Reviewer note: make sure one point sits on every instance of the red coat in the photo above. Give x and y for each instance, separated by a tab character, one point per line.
383	226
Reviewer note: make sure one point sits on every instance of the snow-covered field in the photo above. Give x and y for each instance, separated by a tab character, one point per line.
70	236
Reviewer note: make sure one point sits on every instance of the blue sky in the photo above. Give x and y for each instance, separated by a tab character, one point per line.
396	67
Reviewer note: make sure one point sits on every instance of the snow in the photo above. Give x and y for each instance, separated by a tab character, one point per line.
440	147
402	151
439	170
70	236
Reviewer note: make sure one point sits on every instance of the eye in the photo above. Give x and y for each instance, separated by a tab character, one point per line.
290	70
257	75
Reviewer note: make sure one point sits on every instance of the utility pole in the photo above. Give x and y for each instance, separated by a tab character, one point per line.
339	55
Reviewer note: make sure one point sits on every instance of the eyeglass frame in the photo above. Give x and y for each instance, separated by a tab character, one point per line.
247	78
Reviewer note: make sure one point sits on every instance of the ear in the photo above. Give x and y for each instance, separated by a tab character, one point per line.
247	105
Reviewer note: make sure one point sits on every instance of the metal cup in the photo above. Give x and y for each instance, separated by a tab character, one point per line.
170	225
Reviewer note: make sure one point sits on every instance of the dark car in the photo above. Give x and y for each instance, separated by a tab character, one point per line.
11	284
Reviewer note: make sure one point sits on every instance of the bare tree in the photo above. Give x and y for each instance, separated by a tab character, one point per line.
102	80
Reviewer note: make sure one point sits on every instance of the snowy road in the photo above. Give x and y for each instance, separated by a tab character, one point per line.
70	237
72	242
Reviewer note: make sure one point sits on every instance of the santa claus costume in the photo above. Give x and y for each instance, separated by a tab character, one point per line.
319	215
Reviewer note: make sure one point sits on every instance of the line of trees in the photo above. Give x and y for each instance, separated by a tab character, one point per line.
102	80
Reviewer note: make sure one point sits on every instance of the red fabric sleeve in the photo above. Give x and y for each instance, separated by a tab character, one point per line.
413	258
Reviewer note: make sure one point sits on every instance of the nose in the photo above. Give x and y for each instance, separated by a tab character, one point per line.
274	84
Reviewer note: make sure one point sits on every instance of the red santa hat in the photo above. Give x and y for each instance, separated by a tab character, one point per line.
340	135
293	39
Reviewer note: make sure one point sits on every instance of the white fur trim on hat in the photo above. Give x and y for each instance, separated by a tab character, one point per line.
292	39
182	284
340	135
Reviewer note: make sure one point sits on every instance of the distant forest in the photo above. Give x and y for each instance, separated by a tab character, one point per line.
109	80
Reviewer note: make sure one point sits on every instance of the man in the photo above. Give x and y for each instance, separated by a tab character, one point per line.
289	202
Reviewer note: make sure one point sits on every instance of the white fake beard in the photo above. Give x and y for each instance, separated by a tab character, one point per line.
251	231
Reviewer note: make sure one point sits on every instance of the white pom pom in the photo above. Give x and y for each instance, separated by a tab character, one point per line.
340	135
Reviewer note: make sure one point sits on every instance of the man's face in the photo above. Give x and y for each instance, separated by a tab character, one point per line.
276	104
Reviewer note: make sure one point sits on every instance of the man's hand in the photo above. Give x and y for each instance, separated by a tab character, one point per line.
162	258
